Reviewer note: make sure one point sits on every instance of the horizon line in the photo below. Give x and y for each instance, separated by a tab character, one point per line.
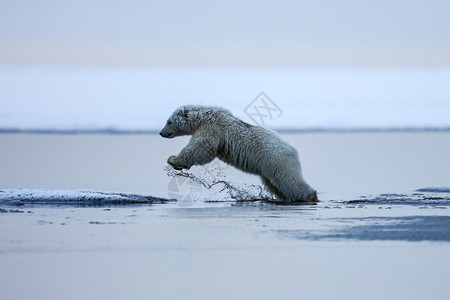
115	131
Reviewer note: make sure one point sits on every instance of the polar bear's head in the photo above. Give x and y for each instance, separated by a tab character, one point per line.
183	121
187	119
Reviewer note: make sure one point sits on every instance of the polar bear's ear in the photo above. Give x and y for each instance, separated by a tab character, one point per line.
185	112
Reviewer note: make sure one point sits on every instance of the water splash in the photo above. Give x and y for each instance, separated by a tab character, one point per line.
216	188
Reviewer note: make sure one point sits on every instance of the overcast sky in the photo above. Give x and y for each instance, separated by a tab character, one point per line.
228	33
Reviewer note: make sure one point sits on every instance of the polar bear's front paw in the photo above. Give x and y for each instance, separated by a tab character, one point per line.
172	160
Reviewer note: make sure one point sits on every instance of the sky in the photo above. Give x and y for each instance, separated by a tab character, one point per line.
234	33
67	98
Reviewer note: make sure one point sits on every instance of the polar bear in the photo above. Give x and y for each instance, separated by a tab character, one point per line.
253	149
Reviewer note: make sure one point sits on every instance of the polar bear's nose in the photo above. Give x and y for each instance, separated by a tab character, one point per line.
165	134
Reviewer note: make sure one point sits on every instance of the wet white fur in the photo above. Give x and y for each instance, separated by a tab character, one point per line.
253	149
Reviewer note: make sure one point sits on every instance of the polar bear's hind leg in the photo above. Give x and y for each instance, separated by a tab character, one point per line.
272	189
291	188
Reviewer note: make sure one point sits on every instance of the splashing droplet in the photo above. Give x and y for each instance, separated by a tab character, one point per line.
217	189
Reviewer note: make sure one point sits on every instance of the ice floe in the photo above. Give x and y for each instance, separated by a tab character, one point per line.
435	189
74	197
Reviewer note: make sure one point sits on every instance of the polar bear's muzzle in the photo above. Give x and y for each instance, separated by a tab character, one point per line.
166	134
